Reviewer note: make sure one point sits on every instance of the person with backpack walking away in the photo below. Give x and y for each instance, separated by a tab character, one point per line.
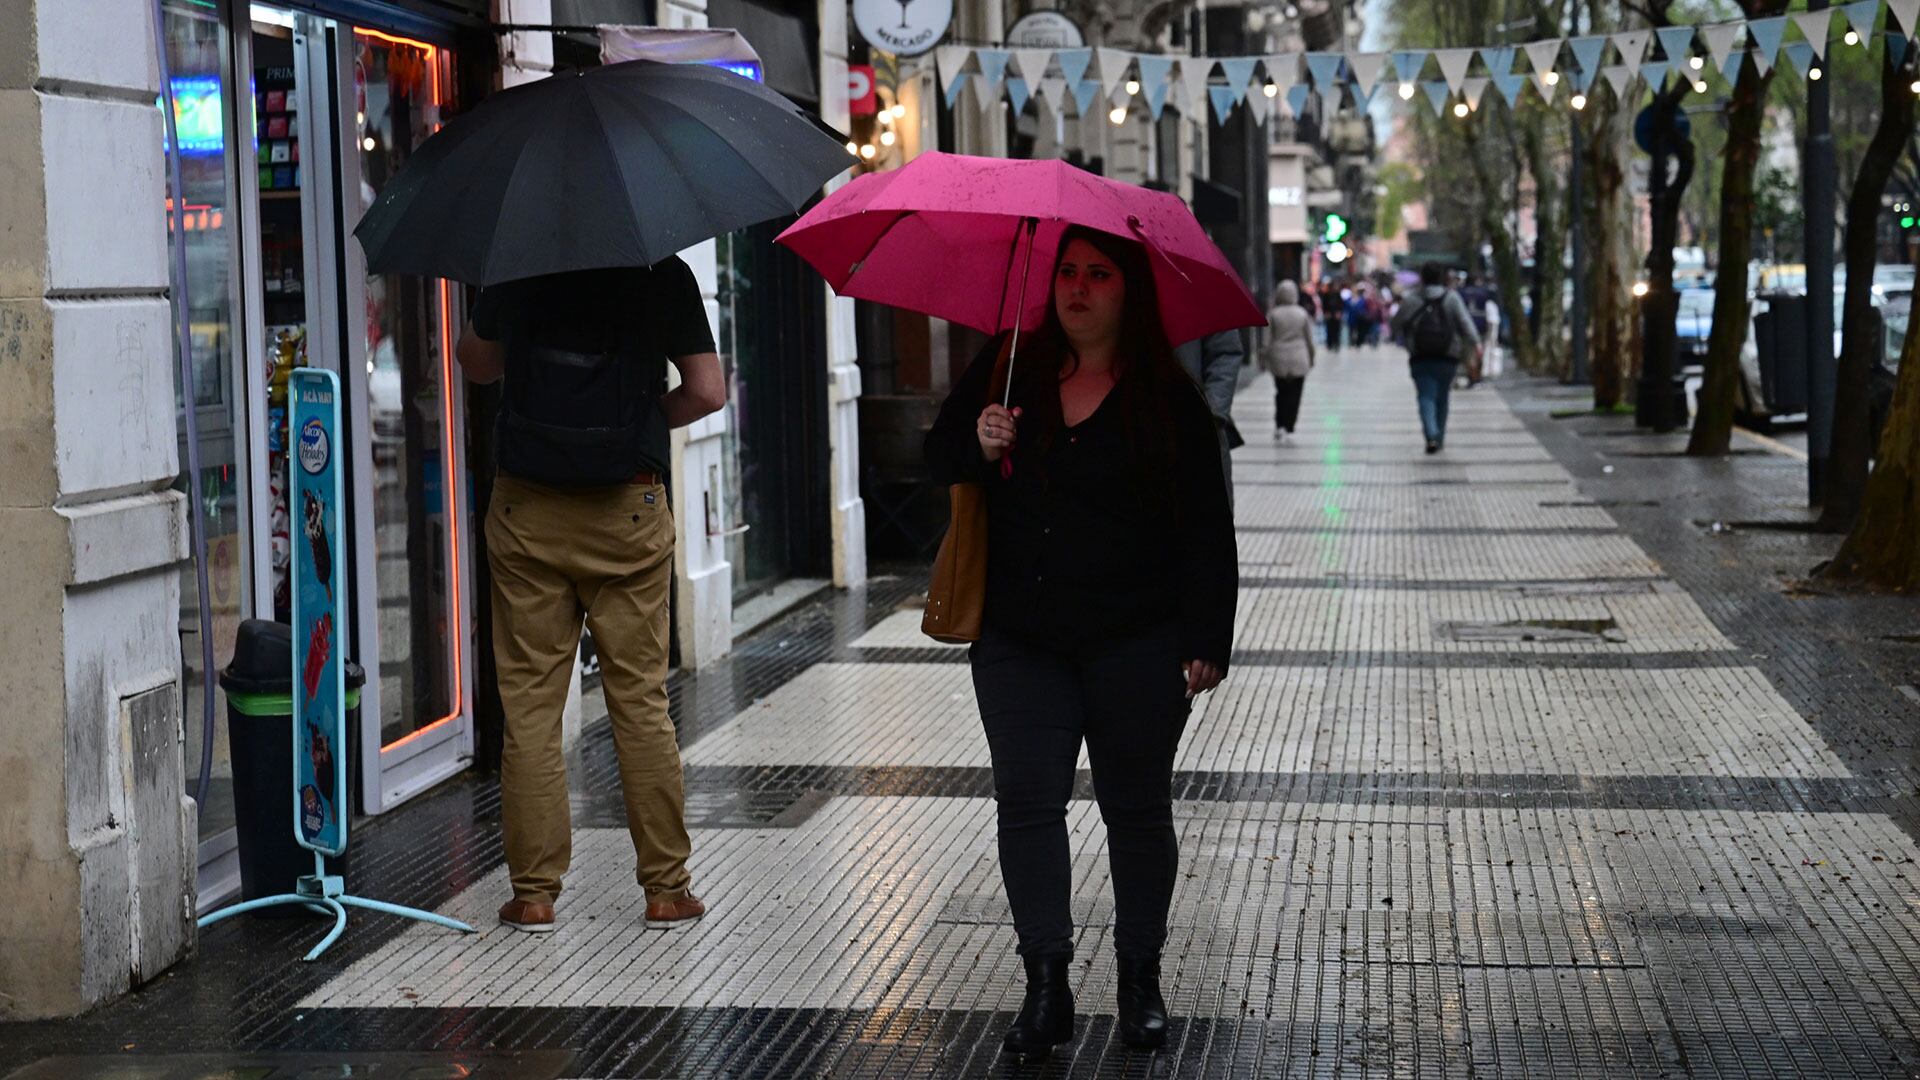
580	528
1288	355
1438	332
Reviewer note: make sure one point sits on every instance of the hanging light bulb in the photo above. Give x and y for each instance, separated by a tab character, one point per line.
1640	288
898	111
1815	74
888	138
368	144
853	148
1133	87
868	151
1460	110
1700	87
1551	78
1579	102
1853	37
1406	91
1916	86
1270	90
1118	115
1696	63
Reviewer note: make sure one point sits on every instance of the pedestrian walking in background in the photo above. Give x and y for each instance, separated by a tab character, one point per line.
1478	298
1111	580
1438	333
1357	328
1213	363
1333	312
580	528
1288	356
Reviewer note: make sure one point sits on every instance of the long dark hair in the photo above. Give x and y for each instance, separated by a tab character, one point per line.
1146	374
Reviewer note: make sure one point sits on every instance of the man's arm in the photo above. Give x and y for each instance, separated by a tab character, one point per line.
1220	357
702	389
483	361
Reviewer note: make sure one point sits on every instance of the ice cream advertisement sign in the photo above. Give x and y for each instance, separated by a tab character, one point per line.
319	693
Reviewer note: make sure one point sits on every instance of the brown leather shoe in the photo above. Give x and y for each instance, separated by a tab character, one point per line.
527	915
668	912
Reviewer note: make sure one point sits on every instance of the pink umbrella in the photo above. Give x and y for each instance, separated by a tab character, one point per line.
956	237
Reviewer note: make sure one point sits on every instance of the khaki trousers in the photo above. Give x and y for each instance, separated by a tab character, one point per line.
605	555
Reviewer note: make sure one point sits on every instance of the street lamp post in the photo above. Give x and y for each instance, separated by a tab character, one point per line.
1578	316
1817	217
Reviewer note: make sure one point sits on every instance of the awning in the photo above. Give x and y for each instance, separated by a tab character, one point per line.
619	43
781	40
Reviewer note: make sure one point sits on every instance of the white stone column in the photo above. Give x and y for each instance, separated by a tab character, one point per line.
97	842
849	511
703	578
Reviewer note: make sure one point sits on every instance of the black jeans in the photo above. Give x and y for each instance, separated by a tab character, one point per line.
1128	700
1286	402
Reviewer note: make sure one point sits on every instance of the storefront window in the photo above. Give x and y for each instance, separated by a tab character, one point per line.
203	102
399	85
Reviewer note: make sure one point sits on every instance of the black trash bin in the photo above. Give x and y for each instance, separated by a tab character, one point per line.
259	689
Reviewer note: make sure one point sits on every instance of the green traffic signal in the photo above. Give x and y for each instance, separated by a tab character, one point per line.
1336	228
1906	222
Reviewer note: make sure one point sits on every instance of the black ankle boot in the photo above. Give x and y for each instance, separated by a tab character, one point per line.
1143	1012
1046	1016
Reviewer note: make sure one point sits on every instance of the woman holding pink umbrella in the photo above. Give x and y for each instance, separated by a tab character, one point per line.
1111	581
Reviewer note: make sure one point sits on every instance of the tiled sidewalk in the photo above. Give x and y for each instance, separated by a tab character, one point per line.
1519	772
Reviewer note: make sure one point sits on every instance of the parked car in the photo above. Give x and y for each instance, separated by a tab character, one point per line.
1693	324
1753	410
1893	280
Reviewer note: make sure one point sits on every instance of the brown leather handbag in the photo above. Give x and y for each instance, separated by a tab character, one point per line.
957	593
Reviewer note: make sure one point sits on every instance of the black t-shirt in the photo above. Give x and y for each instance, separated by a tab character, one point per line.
593	310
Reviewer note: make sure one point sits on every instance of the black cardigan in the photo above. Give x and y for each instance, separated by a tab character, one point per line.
1082	550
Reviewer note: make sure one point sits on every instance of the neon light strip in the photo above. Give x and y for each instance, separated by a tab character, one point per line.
452	504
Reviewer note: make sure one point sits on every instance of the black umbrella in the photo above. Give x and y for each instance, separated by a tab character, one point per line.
621	165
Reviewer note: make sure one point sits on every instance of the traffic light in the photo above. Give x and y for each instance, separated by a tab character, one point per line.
1336	228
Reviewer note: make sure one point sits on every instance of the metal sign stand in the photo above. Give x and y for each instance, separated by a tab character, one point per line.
319	698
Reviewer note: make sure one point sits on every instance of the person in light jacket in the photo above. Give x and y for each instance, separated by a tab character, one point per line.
1288	355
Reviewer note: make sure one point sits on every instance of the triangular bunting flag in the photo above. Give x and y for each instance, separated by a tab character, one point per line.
1655	72
1366	69
1297	96
1325	69
1283	69
1800	54
1031	64
993	70
1017	93
1239	72
1861	15
985	101
1054	93
1907	11
1617	77
1583	78
1897	48
1731	69
1541	84
1258	103
1436	95
1453	65
1815	26
1586	53
1113	67
1361	102
1542	54
1085	93
1509	86
1408	65
1499	61
1153	73
1632	47
1767	35
949	60
1222	102
955	88
1194	72
1157	97
1720	41
1475	89
1073	65
1677	42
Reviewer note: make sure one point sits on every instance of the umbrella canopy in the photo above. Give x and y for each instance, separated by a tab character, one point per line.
945	235
617	166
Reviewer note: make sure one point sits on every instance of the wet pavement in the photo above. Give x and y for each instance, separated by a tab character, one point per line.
1524	768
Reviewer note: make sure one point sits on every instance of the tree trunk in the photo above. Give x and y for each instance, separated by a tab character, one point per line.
1549	249
1610	255
1506	259
1659	308
1713	428
1884	547
1860	347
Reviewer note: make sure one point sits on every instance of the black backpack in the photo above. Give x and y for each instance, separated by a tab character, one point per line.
581	402
1431	335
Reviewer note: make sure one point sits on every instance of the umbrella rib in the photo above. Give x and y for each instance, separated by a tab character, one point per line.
671	152
861	262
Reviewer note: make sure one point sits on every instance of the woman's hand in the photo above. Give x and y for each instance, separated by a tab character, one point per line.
996	431
1201	677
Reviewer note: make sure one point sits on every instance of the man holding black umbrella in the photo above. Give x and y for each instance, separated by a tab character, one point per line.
580	527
